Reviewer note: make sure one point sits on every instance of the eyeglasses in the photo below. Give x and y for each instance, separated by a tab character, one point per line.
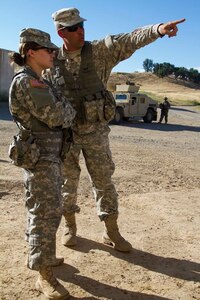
49	50
75	27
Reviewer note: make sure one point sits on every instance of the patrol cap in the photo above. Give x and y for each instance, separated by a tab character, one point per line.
38	36
66	17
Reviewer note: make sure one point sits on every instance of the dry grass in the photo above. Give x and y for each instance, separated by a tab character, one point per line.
179	92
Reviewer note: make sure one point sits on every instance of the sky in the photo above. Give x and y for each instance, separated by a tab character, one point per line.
105	17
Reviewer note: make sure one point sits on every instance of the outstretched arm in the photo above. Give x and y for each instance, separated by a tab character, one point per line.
170	28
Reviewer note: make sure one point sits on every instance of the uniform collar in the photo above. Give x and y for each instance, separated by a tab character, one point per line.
62	54
31	72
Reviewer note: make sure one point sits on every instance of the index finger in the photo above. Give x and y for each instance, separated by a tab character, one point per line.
179	21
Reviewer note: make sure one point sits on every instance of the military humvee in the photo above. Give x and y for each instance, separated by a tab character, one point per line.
131	104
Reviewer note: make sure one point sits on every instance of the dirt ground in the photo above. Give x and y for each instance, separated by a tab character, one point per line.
157	178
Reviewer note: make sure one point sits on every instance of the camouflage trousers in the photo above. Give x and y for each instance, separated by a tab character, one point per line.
164	114
97	155
43	202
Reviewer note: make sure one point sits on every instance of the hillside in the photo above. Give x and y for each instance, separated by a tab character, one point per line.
178	91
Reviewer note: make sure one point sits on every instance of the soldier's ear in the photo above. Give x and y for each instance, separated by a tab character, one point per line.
30	53
61	33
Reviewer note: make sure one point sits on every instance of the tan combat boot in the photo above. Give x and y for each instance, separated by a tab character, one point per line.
112	236
69	234
49	285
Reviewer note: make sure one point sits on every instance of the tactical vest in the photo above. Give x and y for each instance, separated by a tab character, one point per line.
49	140
87	94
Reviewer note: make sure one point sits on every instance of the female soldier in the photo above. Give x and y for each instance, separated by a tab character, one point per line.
41	114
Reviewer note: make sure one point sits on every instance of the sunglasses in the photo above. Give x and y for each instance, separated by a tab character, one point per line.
49	50
75	27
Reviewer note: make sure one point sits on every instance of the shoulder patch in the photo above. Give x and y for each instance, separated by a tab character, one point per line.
38	84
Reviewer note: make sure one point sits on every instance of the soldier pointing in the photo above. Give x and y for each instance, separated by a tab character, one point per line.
81	72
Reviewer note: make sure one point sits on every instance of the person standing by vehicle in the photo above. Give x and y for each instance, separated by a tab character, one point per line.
165	106
81	71
41	115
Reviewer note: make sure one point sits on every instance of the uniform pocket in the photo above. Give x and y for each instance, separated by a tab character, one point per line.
24	153
94	110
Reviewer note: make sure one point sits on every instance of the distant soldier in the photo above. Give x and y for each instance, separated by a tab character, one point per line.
165	106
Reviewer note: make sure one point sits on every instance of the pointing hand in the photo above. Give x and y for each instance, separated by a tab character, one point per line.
170	28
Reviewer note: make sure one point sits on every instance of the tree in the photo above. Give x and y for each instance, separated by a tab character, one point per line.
182	73
163	69
194	75
148	65
166	69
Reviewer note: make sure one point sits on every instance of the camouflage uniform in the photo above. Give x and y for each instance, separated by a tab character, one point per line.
36	106
165	106
92	138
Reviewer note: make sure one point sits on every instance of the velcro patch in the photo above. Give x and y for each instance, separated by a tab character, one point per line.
37	83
